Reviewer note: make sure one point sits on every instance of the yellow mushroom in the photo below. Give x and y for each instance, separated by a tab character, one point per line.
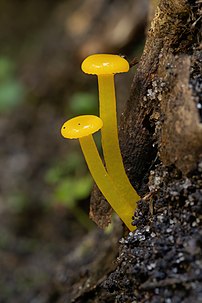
105	66
82	128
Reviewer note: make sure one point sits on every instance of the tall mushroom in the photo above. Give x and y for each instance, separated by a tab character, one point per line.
105	66
82	128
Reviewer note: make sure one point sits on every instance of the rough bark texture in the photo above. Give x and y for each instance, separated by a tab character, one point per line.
160	137
161	114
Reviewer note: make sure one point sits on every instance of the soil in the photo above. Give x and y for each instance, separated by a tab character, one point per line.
162	260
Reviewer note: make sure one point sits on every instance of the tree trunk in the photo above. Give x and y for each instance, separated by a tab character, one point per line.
161	142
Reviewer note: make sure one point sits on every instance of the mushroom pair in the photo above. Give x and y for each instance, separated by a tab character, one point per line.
112	181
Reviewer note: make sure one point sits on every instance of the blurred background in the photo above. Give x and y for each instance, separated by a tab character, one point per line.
44	182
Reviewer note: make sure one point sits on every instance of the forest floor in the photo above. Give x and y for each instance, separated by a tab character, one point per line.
160	262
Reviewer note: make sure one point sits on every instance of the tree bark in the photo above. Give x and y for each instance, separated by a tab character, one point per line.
161	115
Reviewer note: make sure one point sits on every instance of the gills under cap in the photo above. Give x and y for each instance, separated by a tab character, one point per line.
81	126
104	64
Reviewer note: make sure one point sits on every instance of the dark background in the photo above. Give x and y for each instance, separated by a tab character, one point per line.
45	185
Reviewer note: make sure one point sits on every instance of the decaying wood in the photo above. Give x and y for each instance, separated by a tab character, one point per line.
100	212
161	114
181	134
161	121
161	118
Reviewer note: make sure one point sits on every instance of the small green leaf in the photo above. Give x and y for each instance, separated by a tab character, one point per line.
65	193
6	68
71	190
83	187
72	163
11	94
83	103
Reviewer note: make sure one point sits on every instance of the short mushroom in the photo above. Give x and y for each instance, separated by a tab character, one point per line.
82	128
105	66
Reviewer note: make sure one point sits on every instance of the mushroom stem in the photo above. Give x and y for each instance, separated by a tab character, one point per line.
110	141
105	183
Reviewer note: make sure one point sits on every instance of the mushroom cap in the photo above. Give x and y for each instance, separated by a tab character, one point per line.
104	64
81	126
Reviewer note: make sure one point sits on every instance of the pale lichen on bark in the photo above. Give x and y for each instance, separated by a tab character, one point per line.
181	134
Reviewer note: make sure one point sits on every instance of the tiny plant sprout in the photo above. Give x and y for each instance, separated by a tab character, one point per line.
105	66
82	128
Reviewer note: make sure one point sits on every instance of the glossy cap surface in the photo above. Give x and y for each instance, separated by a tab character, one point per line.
104	64
81	126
